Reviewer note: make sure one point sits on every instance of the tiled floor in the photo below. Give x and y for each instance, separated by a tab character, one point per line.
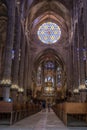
40	121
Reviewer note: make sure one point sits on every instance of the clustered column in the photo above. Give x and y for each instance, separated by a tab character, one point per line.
16	69
76	62
81	30
16	59
6	81
26	70
30	68
21	70
85	39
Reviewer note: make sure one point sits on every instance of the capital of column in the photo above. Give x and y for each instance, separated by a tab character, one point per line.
76	91
14	87
5	83
82	88
86	82
20	90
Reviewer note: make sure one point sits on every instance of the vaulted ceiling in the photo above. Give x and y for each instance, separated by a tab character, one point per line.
42	11
3	23
36	12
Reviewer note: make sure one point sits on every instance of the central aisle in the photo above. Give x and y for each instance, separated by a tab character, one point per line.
41	121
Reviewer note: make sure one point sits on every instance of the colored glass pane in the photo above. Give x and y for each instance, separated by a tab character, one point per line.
49	33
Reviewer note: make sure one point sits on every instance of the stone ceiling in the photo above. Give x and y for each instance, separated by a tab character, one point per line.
36	12
3	23
41	11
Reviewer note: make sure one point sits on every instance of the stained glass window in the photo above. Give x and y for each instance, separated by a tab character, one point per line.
49	65
39	76
49	33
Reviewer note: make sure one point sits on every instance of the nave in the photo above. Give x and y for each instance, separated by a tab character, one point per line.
43	59
40	121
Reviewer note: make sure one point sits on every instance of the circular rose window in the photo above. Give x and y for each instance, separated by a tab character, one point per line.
49	33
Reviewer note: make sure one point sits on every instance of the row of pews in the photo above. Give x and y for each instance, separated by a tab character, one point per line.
72	113
12	112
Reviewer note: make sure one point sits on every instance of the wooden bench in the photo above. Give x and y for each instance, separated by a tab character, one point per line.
72	113
75	112
6	110
13	112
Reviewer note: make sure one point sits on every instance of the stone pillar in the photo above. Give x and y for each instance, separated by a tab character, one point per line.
26	70
1	67
81	49
75	49
68	69
75	53
75	59
85	44
54	77
20	96
30	67
6	81
43	76
21	70
0	60
16	59
85	36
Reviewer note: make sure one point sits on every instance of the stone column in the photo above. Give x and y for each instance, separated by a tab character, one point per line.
81	49
43	76
68	68
85	36
0	60
1	67
30	67
21	70
16	59
75	50
43	79
75	59
26	70
85	44
6	81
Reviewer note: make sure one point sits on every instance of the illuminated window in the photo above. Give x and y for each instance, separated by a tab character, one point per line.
39	76
49	65
49	33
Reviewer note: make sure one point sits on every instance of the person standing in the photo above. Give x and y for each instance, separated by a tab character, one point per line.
49	106
43	105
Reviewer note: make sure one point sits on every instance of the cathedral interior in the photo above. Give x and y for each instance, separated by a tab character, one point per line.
43	58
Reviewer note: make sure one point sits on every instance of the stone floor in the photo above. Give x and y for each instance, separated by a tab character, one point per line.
40	121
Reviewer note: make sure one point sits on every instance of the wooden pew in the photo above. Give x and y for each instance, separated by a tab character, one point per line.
69	112
74	110
16	111
6	109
